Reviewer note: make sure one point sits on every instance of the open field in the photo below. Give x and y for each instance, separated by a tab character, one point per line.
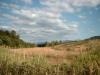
16	63
54	56
80	58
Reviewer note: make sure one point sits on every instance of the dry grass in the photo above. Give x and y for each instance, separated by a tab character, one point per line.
58	54
53	56
20	62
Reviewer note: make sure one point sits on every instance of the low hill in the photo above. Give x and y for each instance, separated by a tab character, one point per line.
79	45
95	37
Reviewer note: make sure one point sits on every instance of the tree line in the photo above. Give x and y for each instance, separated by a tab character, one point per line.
49	44
12	39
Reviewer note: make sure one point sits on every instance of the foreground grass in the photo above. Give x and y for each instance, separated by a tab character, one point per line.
13	64
89	63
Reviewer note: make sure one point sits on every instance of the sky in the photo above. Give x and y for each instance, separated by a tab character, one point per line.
48	20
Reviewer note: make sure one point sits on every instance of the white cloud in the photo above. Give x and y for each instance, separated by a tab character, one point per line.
41	23
82	17
25	13
10	6
89	3
57	5
68	5
46	22
4	27
10	16
27	1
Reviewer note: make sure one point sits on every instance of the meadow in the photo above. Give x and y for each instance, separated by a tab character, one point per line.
87	62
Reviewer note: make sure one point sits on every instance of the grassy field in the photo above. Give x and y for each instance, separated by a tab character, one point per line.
34	61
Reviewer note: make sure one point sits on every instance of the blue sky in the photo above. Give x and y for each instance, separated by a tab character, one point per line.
48	20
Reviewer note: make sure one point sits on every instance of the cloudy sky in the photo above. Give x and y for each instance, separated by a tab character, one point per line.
47	20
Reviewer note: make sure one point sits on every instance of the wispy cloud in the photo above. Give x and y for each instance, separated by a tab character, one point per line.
46	21
27	1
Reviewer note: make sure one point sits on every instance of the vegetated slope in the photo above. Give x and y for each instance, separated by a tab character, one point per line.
81	45
12	39
76	48
95	37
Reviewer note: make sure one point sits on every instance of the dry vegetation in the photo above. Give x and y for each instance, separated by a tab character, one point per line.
60	53
57	60
54	56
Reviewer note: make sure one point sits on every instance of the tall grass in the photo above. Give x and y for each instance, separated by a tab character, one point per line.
13	64
89	63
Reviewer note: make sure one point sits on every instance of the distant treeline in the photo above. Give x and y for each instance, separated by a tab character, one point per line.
49	44
58	42
12	39
93	38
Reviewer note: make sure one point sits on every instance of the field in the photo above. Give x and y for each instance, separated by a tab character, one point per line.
54	56
76	58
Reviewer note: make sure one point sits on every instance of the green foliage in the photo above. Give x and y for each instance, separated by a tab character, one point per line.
12	39
49	44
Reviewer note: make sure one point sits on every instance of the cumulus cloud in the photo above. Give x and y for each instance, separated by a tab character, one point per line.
68	5
46	22
90	3
57	5
9	6
43	24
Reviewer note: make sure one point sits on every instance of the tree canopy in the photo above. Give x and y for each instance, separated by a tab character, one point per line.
12	39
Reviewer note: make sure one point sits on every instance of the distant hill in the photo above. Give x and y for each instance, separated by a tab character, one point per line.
12	39
81	44
57	43
94	37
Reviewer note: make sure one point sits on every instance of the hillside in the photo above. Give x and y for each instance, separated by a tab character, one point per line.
95	37
12	39
79	45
